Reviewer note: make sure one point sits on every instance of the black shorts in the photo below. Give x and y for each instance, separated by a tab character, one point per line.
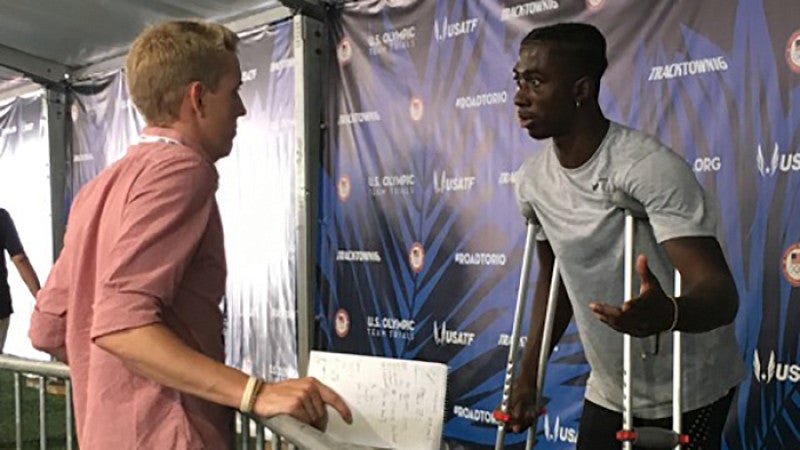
599	426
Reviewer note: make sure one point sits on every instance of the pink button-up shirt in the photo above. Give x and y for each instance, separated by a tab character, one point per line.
144	245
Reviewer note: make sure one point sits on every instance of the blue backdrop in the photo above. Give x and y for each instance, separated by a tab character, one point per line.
421	240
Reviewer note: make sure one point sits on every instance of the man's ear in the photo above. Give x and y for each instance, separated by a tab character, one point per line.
196	93
583	89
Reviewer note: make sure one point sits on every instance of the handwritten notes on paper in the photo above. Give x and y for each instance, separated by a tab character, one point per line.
396	403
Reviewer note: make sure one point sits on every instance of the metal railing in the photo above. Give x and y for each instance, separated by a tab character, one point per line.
298	434
44	371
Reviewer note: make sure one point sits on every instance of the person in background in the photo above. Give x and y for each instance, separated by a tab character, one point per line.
9	241
133	302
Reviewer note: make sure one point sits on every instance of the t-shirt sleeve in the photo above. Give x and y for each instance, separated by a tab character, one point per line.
164	219
525	191
676	204
9	234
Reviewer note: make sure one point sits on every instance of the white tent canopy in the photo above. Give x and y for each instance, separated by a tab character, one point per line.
51	41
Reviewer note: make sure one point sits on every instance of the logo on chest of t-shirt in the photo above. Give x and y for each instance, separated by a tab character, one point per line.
601	185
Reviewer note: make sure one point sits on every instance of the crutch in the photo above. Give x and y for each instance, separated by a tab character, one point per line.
653	437
502	414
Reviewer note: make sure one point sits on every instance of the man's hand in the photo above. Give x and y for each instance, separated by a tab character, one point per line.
302	398
650	313
521	405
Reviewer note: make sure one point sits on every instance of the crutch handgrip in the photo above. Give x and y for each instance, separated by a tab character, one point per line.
653	437
500	416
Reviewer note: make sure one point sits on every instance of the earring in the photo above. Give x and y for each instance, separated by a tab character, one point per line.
577	103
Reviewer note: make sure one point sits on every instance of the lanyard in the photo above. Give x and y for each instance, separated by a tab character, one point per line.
150	139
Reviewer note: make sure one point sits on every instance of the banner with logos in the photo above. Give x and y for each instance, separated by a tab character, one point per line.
25	194
255	195
421	240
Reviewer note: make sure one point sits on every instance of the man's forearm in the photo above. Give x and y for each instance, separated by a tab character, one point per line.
27	273
708	305
155	352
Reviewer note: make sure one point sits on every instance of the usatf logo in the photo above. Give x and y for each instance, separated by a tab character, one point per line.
447	30
391	184
416	257
443	336
416	109
793	52
404	38
479	100
342	323
688	68
595	4
707	164
378	326
480	259
359	117
475	415
770	169
344	51
559	433
343	188
773	370
791	264
527	9
442	183
358	256
778	162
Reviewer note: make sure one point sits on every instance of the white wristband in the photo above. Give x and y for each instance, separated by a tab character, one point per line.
674	315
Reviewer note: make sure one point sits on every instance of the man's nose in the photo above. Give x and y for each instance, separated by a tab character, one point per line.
520	100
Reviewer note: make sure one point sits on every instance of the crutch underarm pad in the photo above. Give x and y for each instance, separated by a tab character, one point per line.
624	201
527	211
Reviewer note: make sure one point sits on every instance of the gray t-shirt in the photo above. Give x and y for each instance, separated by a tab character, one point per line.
586	232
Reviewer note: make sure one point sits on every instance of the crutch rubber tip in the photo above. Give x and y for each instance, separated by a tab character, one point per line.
500	416
626	435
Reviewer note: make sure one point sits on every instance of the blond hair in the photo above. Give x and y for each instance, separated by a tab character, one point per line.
165	58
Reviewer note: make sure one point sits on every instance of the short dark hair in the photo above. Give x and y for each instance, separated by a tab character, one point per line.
583	42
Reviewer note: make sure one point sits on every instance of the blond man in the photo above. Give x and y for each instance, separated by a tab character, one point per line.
132	303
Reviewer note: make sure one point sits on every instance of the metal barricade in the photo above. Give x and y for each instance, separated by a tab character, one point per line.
298	435
44	371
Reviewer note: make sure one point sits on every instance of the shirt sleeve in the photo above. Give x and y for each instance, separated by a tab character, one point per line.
49	318
10	236
675	202
163	221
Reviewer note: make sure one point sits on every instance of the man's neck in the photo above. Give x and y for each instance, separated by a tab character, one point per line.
577	147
